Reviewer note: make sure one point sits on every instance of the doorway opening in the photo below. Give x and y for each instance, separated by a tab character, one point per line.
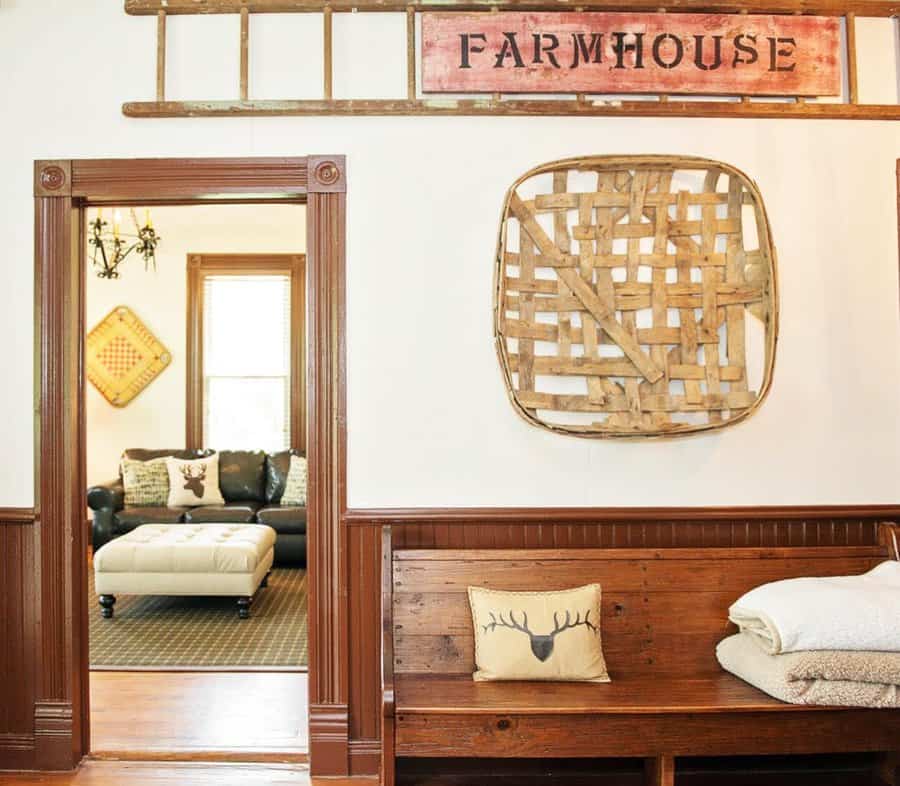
194	424
66	191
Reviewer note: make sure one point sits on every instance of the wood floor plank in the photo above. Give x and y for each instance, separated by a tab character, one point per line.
238	716
112	773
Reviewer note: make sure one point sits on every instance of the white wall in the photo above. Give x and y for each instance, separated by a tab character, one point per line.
155	419
429	422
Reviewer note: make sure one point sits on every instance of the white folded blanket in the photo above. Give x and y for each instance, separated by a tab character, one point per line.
828	613
831	677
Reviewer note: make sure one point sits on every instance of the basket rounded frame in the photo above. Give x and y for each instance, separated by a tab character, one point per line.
633	163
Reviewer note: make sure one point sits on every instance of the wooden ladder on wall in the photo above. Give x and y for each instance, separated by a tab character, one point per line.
415	103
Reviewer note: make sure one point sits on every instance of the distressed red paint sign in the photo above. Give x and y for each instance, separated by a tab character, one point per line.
593	52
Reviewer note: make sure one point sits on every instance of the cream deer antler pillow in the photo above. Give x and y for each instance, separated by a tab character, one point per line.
538	635
194	482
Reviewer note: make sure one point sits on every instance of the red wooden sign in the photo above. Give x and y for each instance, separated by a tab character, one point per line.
569	52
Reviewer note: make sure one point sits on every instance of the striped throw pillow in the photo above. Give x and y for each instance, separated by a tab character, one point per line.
295	483
146	482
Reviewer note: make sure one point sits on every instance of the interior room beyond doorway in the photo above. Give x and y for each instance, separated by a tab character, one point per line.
195	442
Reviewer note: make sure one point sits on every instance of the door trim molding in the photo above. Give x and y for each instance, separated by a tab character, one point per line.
62	190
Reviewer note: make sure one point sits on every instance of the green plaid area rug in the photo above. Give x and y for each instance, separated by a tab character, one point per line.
158	632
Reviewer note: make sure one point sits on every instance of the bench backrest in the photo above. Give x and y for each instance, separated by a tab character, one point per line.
664	610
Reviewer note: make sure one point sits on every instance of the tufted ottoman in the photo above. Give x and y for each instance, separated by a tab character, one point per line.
186	559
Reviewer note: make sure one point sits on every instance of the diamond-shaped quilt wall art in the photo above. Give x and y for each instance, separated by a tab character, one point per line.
123	356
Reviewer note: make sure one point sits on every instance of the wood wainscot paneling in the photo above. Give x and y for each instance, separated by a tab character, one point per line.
17	637
557	528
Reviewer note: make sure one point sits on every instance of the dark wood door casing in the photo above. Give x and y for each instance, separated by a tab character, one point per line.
49	678
201	265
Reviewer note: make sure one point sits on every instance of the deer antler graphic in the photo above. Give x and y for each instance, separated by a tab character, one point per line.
192	481
502	623
557	628
541	643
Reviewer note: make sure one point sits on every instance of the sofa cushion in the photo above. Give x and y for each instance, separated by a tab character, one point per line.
285	519
130	518
229	513
277	467
242	475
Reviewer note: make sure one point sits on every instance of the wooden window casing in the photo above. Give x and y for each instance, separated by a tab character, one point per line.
199	267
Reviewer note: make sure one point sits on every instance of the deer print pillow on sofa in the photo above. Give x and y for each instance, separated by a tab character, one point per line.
538	635
194	482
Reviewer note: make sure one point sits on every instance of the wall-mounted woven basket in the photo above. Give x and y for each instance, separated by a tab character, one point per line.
635	296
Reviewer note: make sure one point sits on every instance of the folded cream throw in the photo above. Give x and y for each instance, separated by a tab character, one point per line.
828	613
832	677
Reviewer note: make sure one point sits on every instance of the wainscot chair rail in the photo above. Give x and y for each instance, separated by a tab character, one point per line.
663	611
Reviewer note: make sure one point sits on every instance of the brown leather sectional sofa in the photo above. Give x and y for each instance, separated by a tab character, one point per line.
251	482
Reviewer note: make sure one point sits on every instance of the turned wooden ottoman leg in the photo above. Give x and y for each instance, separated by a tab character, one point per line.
244	606
106	605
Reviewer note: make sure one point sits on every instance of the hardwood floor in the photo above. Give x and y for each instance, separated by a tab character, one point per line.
218	716
115	773
118	773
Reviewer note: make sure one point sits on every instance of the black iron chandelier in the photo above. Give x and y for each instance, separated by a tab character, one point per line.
111	248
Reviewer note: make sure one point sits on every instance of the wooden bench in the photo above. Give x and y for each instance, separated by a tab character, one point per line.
663	612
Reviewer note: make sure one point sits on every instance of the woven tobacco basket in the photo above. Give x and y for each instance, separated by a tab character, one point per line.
635	296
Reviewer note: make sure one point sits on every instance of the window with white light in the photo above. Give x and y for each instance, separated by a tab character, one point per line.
245	395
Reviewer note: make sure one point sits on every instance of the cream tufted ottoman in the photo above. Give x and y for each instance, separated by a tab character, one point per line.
186	559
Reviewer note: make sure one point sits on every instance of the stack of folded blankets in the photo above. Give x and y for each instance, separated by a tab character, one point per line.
832	641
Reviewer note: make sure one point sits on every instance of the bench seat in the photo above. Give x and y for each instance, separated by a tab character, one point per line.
717	715
425	694
662	613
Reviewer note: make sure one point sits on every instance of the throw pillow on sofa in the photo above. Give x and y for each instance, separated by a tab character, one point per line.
295	484
194	482
146	483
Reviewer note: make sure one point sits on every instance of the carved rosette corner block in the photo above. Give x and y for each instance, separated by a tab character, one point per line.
327	174
52	178
635	296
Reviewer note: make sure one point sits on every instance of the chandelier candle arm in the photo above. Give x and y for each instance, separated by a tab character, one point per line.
111	250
